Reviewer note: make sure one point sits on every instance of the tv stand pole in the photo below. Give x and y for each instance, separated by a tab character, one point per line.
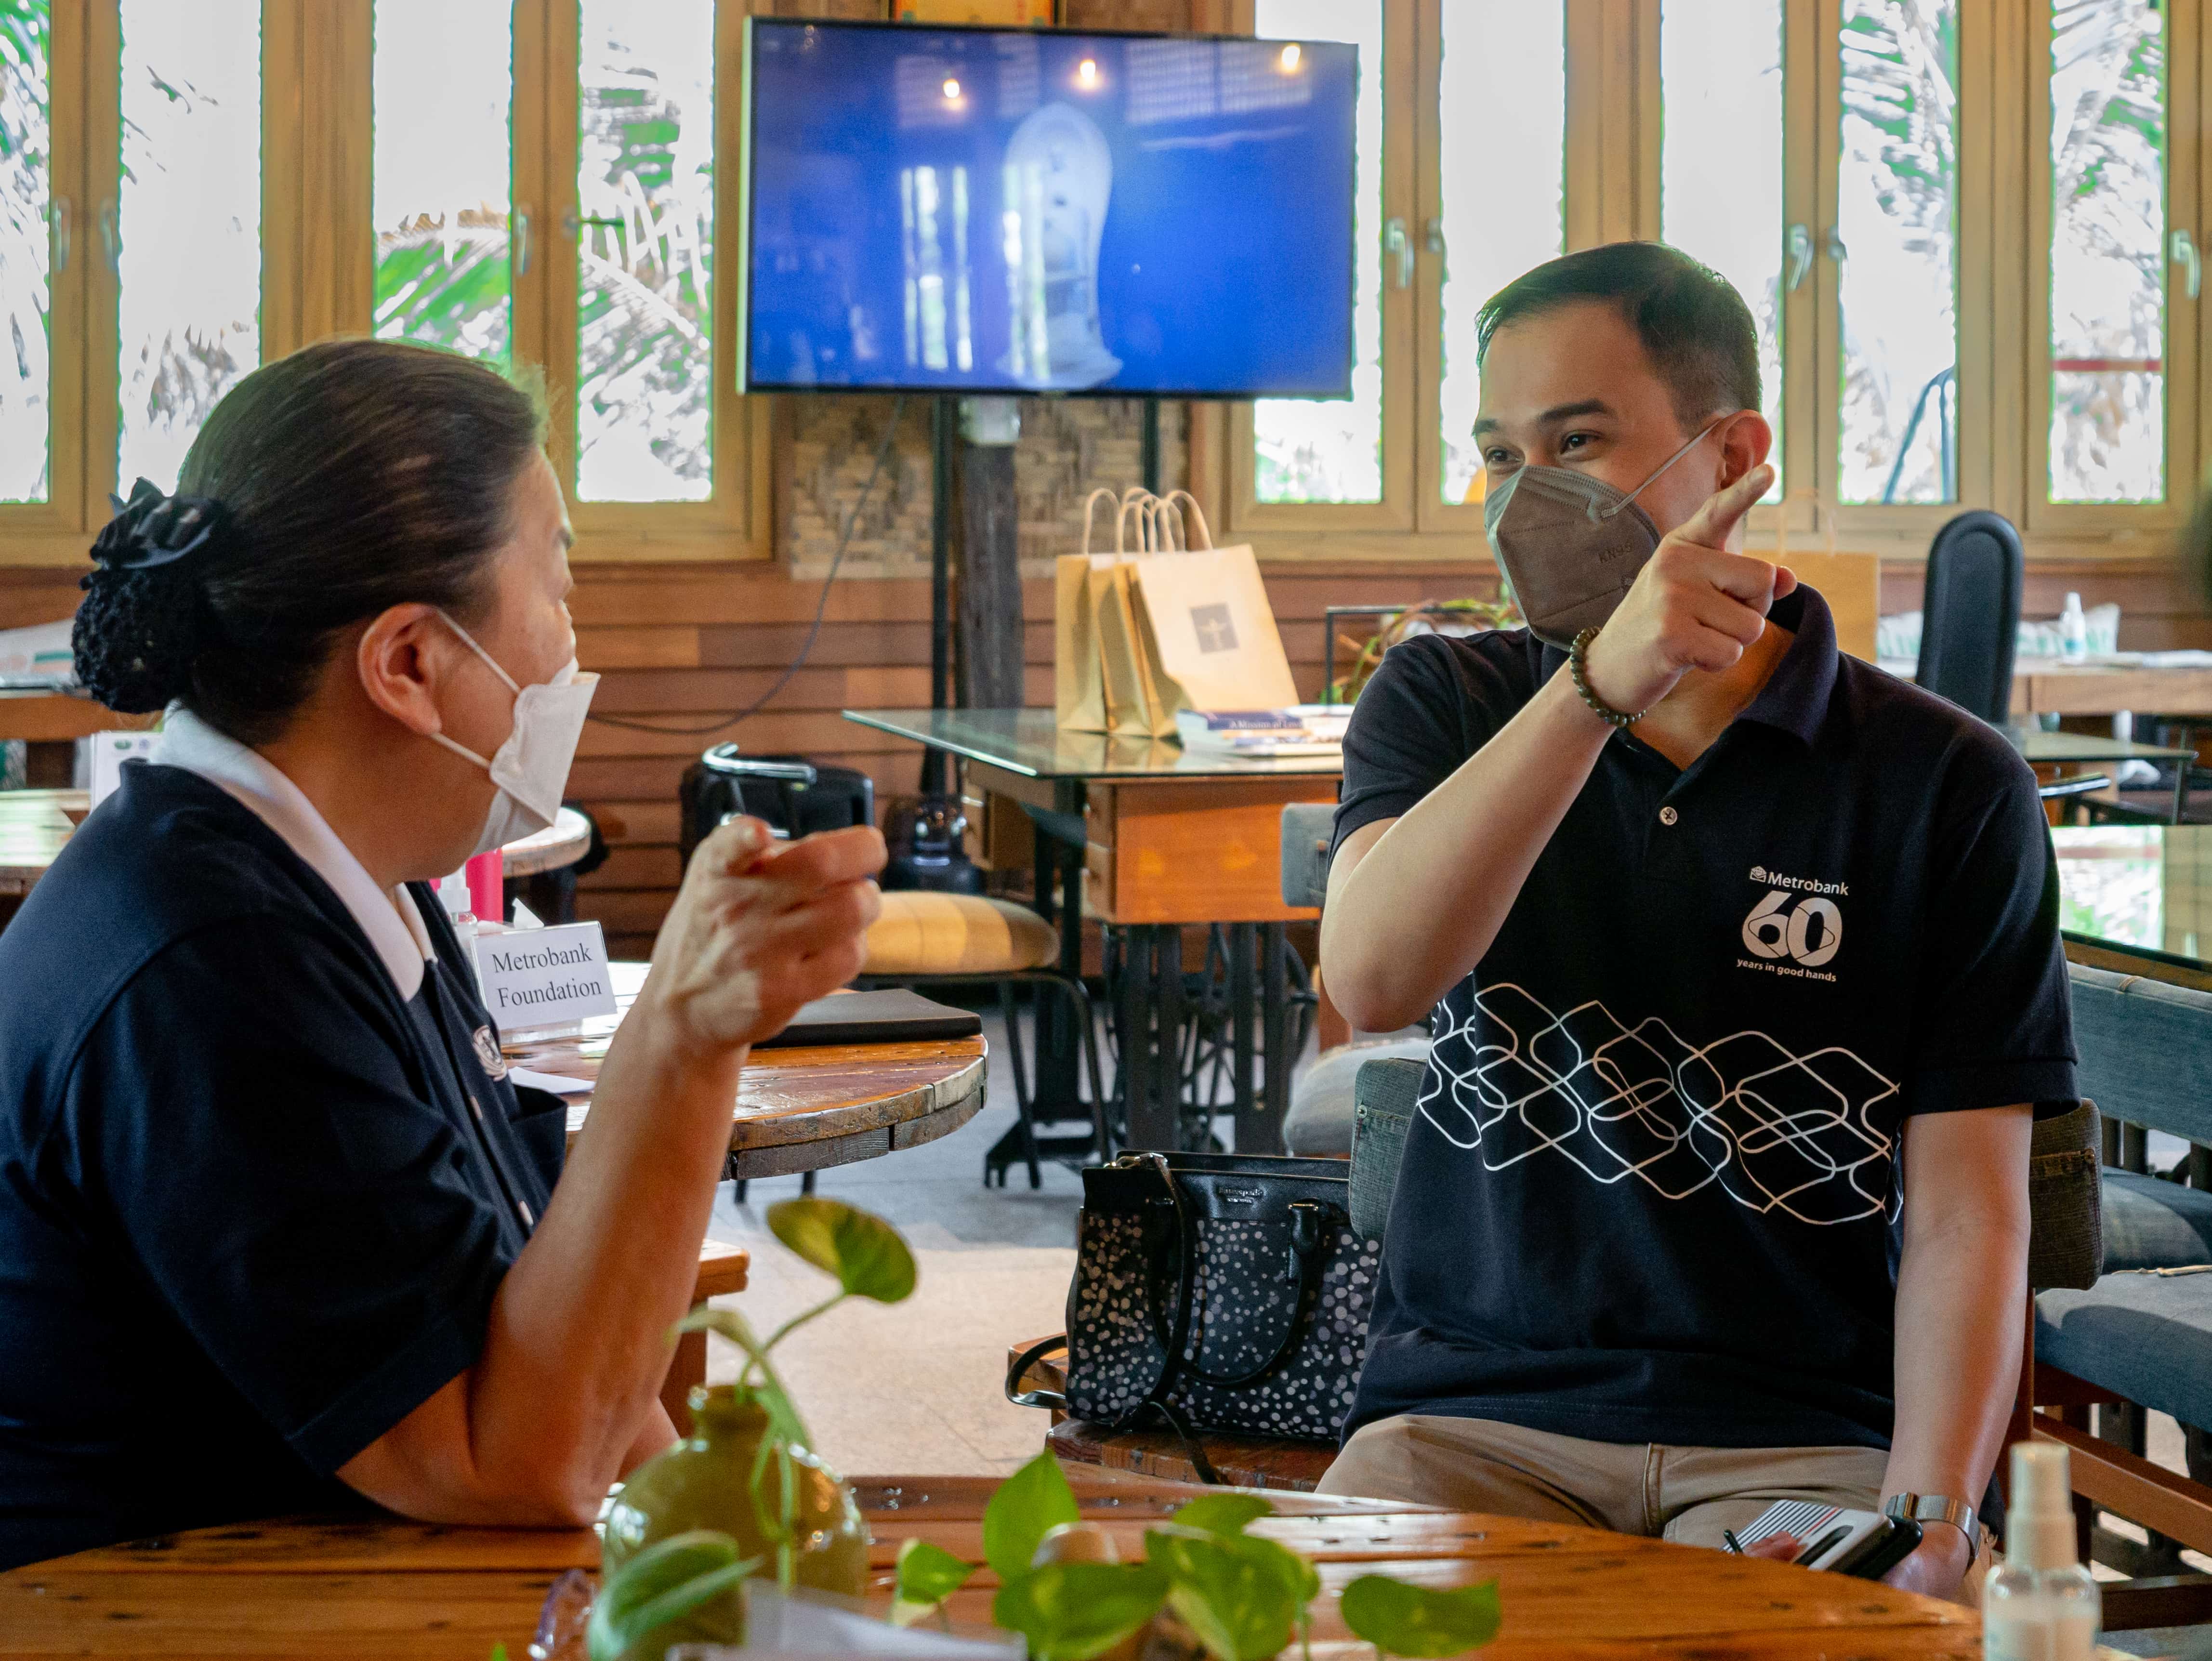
943	433
1148	450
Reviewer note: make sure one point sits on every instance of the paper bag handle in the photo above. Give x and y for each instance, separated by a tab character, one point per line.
1139	506
1090	503
1189	511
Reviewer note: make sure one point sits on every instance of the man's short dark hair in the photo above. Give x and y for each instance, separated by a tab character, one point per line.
1695	327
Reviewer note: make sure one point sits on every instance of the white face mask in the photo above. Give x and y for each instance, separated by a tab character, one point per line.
530	768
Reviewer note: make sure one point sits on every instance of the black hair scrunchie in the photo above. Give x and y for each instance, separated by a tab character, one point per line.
145	617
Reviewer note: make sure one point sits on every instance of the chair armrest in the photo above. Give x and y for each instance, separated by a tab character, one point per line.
1306	829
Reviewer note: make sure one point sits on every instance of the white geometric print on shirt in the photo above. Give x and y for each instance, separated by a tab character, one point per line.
1777	1131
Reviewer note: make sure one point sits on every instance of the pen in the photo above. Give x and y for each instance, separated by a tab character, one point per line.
1729	1539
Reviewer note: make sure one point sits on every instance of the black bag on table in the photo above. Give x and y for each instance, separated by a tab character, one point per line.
1215	1291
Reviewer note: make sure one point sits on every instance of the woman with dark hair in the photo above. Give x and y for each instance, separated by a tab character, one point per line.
274	1224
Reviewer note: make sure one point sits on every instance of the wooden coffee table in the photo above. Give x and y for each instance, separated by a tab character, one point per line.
368	1587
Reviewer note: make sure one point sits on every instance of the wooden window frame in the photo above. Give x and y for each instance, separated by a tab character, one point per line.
732	523
2117	522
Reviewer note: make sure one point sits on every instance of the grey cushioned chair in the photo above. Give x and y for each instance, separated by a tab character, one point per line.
1319	1121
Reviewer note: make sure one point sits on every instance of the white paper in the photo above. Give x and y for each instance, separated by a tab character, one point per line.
559	1083
110	751
779	1625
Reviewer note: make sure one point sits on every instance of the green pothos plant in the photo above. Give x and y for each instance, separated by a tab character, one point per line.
1241	1597
867	1258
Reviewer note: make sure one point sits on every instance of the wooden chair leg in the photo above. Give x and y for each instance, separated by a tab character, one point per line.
686	1368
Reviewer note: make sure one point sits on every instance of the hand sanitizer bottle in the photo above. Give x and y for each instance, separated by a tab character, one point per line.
2039	1603
2073	630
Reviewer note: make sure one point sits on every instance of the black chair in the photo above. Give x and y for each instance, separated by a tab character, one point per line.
1970	614
793	794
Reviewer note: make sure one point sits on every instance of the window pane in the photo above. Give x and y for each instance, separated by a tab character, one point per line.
1897	218
443	86
188	258
2107	251
645	191
1331	450
1502	123
26	141
1720	75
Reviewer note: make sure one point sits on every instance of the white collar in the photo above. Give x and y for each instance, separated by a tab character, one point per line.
390	920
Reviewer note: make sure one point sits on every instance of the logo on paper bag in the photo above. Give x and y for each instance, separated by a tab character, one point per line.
1215	628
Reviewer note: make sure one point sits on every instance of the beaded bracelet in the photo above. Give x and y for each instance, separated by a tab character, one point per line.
1604	711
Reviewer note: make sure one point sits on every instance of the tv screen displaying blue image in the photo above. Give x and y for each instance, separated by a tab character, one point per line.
1000	210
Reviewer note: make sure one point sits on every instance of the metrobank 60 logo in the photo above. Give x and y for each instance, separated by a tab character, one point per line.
1808	935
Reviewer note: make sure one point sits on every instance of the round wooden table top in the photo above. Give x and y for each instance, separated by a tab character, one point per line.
555	847
366	1589
806	1108
34	823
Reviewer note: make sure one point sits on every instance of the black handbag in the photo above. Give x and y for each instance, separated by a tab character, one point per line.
1214	1291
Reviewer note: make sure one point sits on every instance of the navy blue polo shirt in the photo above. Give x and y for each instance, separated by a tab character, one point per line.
253	1207
1651	1188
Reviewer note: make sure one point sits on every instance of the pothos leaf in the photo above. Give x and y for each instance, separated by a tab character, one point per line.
1241	1596
1033	1500
1424	1622
1074	1611
665	1582
1224	1513
928	1573
866	1255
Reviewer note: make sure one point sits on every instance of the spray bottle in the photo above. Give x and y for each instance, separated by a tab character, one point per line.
2039	1603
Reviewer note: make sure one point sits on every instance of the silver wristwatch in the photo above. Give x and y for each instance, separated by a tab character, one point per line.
1937	1508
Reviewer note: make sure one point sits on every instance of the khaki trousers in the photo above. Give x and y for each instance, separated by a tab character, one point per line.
1687	1495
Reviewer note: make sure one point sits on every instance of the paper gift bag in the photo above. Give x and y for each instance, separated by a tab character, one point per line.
1203	621
1078	682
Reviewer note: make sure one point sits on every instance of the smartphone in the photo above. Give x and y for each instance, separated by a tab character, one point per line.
1864	1544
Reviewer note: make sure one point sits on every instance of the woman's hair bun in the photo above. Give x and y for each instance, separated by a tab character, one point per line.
136	636
142	621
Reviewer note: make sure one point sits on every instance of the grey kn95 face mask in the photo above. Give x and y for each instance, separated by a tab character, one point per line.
1570	543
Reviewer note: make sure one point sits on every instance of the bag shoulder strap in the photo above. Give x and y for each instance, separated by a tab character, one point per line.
1022	1363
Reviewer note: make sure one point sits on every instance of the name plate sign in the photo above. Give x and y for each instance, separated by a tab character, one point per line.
533	977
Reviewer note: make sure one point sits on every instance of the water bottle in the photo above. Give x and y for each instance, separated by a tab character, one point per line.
2073	630
2039	1603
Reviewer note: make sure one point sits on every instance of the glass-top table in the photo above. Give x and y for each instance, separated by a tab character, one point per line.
1032	743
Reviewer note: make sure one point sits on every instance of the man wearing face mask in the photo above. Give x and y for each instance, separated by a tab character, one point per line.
278	1232
1745	976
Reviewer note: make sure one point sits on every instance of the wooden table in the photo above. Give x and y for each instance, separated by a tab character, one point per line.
2104	686
555	847
1166	837
33	828
364	1590
43	716
807	1108
34	823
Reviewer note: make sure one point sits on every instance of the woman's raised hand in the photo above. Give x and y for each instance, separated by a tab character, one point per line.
760	927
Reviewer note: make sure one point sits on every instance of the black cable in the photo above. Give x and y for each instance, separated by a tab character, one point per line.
715	722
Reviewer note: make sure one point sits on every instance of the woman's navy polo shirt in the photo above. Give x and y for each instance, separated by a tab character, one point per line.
253	1207
1650	1189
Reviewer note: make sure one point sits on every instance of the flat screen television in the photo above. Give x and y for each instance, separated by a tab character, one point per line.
982	211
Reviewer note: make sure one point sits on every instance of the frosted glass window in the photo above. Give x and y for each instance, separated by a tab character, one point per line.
442	86
188	228
1502	122
1331	449
2108	252
1720	180
1897	219
26	294
645	190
